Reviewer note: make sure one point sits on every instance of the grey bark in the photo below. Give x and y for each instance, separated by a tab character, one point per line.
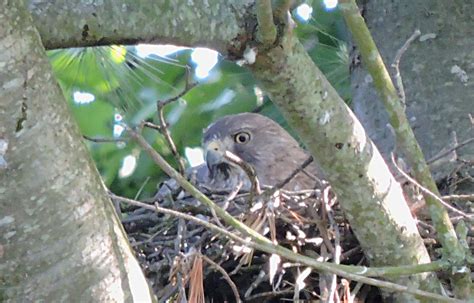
60	240
437	71
103	22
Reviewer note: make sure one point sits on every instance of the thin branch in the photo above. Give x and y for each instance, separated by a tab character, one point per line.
396	66
160	104
337	240
356	273
282	7
445	153
405	139
459	197
226	277
287	180
270	294
166	133
431	194
152	126
249	170
267	32
104	140
139	192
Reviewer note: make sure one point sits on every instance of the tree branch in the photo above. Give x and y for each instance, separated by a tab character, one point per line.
405	138
65	23
266	27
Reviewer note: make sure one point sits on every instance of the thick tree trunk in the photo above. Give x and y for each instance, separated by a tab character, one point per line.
437	72
60	238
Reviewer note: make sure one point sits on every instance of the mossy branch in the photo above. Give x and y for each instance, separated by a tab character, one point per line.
267	32
405	137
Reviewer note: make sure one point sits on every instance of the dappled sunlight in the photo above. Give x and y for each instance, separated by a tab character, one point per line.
194	155
161	50
129	164
83	97
304	11
205	59
330	4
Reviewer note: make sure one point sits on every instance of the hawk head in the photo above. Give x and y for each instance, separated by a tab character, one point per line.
256	139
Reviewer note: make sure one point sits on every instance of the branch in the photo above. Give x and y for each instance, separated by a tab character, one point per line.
470	218
445	153
459	197
396	66
267	32
160	104
64	23
269	192
404	134
225	275
249	170
104	140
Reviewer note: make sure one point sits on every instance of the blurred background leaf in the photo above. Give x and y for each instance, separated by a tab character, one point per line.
108	86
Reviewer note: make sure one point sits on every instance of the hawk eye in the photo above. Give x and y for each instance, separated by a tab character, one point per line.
242	137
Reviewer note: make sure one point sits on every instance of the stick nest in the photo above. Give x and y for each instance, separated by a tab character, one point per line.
185	262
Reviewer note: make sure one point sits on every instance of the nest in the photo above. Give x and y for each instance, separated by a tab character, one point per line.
185	262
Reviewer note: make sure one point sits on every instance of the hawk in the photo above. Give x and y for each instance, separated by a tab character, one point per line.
261	142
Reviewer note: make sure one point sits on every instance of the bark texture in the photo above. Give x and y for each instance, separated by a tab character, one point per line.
60	240
437	71
102	22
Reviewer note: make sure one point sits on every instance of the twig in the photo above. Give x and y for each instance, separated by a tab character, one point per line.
445	153
229	198
396	66
283	183
262	275
225	275
160	104
267	32
270	294
322	229
166	133
428	192
337	241
232	195
104	140
249	170
459	197
151	125
139	192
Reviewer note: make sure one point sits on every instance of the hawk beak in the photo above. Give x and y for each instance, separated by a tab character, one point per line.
214	154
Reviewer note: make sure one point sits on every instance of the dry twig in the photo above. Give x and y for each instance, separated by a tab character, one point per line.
447	152
225	275
428	192
249	170
396	66
272	190
160	104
